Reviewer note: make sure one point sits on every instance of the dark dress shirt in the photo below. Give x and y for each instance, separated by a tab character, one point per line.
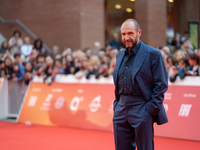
125	84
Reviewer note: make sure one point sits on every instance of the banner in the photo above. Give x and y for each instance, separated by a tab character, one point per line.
182	104
68	104
88	104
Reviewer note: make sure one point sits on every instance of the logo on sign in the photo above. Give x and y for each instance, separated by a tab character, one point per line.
95	104
59	103
189	95
75	103
46	105
168	96
32	101
36	89
185	110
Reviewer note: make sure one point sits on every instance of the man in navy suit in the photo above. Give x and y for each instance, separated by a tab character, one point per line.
140	82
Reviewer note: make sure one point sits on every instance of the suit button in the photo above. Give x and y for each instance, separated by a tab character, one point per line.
126	67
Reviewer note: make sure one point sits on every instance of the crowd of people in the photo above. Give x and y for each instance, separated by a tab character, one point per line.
21	61
181	58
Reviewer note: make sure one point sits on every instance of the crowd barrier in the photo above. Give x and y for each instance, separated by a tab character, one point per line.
12	94
16	91
88	104
4	98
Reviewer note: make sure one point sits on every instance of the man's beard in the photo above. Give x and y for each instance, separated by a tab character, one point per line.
134	43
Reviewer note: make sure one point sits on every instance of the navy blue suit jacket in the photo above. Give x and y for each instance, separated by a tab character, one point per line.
149	77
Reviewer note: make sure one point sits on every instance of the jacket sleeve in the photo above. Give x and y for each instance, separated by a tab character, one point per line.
117	96
160	81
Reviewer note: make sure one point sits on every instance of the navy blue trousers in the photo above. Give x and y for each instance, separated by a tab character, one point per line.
133	124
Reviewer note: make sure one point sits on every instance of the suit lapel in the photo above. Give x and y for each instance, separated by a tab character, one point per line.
139	59
117	65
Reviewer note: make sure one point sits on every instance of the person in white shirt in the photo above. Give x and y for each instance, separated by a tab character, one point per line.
27	48
15	42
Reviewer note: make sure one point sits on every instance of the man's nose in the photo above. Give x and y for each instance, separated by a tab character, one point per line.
126	37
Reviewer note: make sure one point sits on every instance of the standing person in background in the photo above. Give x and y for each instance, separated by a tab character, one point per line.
67	65
48	70
18	74
184	37
39	65
27	48
66	51
78	60
194	63
104	66
84	68
19	67
166	49
55	50
113	52
28	75
179	54
7	71
38	46
1	66
198	53
115	41
94	64
140	80
181	69
108	47
96	48
4	48
58	67
15	42
186	46
88	52
171	64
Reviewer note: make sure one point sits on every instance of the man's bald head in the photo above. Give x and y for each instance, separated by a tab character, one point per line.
133	21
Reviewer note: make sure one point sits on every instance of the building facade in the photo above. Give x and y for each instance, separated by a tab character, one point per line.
79	23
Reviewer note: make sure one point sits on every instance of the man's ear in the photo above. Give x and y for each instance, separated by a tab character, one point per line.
139	33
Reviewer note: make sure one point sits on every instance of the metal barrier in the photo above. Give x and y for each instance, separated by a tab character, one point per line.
16	92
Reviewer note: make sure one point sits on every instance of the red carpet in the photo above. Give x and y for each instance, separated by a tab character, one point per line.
35	137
